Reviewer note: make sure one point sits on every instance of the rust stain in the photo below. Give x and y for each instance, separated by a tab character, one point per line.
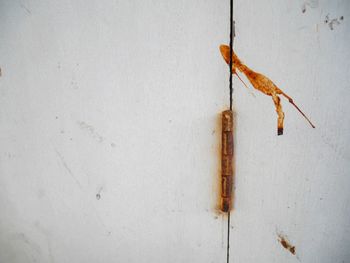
217	178
226	161
286	244
223	186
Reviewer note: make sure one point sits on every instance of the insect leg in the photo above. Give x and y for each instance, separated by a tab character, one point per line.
292	102
280	113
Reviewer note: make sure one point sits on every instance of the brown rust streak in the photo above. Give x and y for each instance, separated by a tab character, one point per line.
285	243
217	178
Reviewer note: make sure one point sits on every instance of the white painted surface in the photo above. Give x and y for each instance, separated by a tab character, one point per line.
120	99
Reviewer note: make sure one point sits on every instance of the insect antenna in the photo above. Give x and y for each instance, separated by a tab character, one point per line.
302	113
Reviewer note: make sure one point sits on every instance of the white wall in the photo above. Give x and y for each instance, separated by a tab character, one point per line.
121	99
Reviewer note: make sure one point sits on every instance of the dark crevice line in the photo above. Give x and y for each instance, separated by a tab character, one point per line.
228	237
232	35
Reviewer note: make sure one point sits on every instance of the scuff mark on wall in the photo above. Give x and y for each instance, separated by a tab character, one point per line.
332	22
91	130
67	168
74	83
34	247
25	8
48	238
98	195
309	3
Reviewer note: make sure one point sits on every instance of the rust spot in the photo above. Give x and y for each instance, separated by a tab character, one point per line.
292	250
286	244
